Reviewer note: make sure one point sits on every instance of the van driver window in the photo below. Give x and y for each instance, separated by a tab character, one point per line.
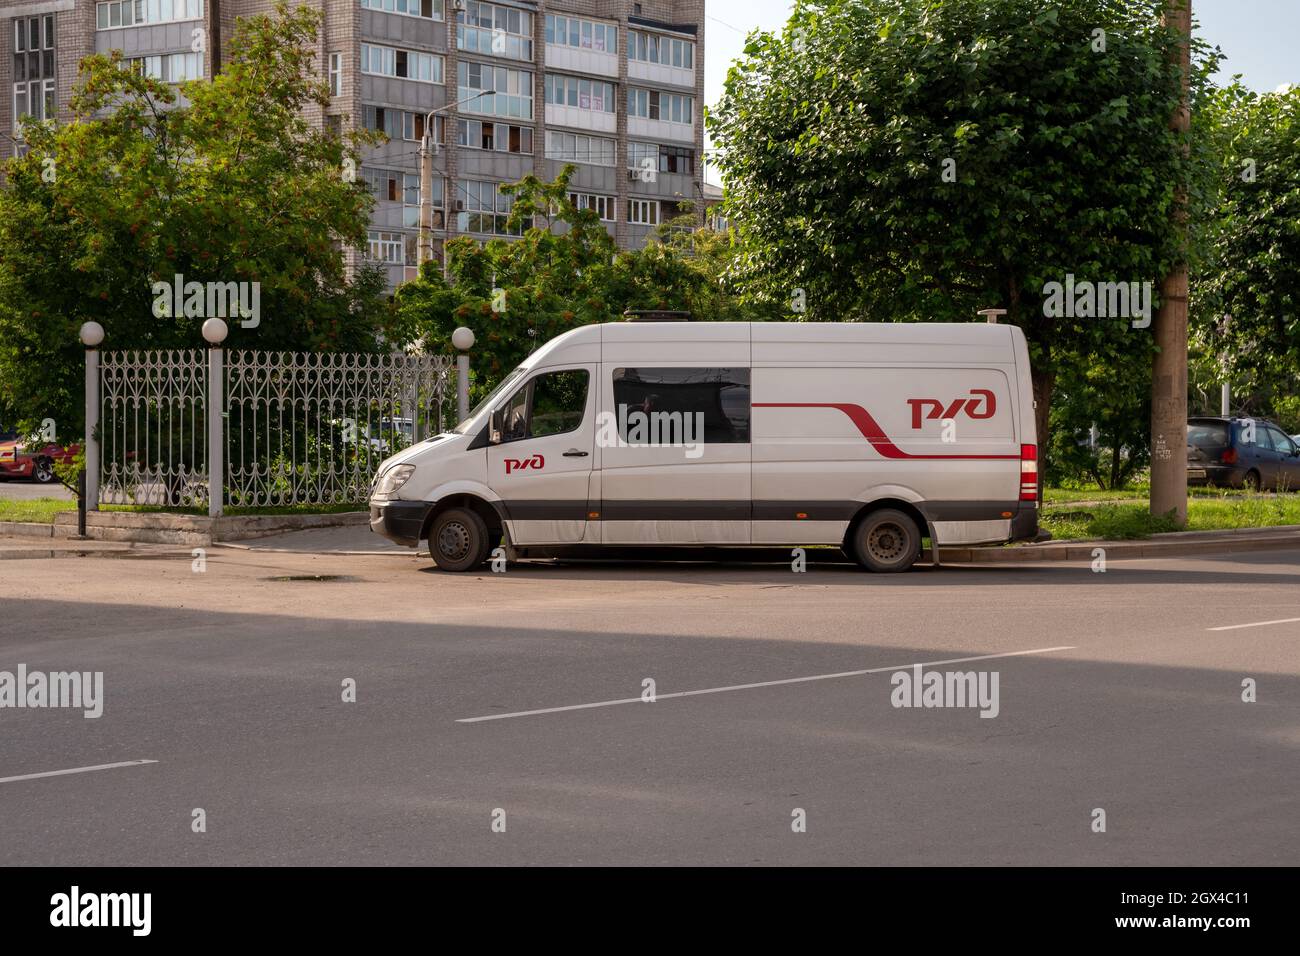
559	402
550	404
668	406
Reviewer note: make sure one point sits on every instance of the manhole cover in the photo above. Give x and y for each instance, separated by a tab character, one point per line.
310	577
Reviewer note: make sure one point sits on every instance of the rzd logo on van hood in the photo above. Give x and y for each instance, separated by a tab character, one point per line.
971	406
536	463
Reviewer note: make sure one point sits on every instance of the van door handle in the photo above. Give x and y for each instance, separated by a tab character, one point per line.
574	453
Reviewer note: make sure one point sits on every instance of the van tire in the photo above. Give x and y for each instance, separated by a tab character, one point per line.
886	541
458	540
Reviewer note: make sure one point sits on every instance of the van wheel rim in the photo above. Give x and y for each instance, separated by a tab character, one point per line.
887	542
453	541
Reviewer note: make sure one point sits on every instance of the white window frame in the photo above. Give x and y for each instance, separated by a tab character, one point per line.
134	13
336	74
605	206
560	88
380	60
518	91
517	44
643	212
403	8
563	146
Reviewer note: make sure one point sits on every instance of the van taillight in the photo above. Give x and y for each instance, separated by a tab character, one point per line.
1229	457
1028	472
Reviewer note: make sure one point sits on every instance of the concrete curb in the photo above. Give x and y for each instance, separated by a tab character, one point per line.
193	530
1168	544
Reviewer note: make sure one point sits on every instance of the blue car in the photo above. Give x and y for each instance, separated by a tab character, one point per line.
1224	452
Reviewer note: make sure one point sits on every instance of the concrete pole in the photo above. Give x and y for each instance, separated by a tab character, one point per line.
216	432
92	429
462	340
1169	370
426	193
1225	401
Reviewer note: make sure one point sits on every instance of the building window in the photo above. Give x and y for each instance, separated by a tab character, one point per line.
394	185
719	396
666	51
652	104
34	87
603	205
501	137
406	64
336	74
643	212
399	124
512	90
583	34
485	209
578	148
169	67
428	9
130	13
495	31
389	247
594	96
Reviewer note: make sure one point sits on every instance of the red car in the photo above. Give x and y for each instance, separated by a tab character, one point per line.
33	459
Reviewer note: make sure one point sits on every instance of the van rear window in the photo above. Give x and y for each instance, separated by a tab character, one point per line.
1207	434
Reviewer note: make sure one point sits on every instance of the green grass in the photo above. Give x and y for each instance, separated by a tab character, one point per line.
43	510
1134	520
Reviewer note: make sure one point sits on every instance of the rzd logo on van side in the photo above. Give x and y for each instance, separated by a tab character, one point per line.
536	463
971	406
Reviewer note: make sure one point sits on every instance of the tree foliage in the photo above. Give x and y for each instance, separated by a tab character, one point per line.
921	161
224	180
515	295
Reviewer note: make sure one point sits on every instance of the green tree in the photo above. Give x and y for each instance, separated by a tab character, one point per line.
920	161
1246	300
517	294
232	184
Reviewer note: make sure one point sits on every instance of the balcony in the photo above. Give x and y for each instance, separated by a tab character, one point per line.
657	74
575	117
577	60
640	128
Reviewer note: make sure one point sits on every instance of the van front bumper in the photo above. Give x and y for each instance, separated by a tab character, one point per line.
399	521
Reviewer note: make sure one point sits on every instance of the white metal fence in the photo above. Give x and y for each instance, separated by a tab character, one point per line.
280	428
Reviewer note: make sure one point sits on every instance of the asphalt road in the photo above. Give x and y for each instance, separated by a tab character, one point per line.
18	490
230	679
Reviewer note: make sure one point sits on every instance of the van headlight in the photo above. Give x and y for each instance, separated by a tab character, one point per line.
393	479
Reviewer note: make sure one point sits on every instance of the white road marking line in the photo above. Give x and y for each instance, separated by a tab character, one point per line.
1237	627
766	683
60	773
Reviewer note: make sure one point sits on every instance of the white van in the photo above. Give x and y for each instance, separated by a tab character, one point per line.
864	436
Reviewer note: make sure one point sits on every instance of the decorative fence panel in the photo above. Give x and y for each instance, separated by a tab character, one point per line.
153	427
310	428
291	428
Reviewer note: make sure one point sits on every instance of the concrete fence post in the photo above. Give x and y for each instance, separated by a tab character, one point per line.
214	331
92	334
462	339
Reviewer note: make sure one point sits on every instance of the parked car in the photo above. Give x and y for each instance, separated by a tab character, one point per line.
1220	452
34	459
868	437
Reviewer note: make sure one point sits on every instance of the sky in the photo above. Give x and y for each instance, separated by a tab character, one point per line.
1261	39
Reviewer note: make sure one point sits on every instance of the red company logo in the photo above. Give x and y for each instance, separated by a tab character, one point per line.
970	405
536	463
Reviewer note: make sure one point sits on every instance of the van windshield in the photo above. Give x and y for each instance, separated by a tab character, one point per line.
492	396
1207	434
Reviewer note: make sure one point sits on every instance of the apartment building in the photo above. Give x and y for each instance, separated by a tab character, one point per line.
508	87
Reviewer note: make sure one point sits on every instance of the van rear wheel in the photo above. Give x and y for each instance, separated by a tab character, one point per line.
458	540
886	541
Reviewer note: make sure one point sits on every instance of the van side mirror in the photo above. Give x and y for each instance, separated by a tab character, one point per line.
494	425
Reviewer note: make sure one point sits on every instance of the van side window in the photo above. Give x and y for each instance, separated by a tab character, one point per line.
559	402
665	406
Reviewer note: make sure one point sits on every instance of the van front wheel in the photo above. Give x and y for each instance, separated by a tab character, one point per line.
886	541
458	540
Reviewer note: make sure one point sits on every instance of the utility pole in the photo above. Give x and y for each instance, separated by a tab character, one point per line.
427	148
1169	370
